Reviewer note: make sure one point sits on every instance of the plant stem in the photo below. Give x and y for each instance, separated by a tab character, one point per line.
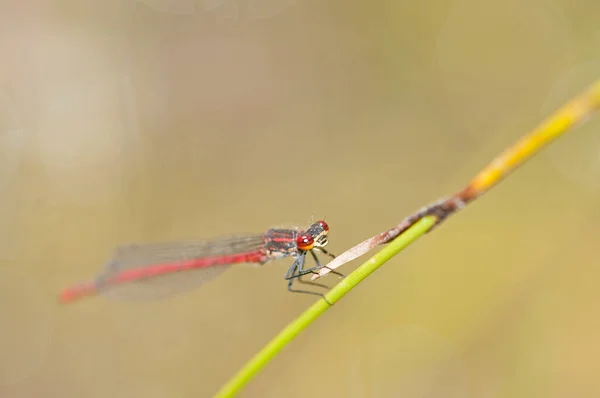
264	356
571	114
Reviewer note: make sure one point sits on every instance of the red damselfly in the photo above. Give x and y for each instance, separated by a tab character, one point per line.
155	270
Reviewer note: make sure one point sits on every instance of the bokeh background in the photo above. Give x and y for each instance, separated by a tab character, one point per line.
156	120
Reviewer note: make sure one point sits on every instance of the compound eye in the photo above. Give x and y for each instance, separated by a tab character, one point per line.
323	225
305	242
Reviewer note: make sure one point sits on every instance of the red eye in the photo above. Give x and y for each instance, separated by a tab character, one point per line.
305	242
323	225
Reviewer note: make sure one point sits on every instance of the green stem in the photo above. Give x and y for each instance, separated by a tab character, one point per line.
262	358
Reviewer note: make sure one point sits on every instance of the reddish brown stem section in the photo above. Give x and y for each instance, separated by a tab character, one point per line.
441	210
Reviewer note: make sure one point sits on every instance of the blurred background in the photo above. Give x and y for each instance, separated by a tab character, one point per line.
158	120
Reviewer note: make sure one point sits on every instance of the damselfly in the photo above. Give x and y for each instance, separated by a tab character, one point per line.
156	270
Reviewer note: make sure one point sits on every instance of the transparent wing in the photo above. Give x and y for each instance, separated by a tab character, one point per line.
158	270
